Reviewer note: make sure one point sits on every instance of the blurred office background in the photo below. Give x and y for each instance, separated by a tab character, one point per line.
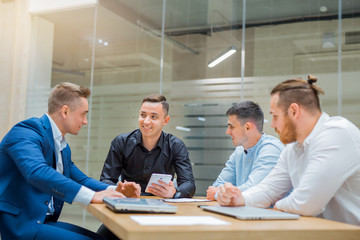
126	49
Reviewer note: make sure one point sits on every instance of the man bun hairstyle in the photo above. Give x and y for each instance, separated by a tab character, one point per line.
299	91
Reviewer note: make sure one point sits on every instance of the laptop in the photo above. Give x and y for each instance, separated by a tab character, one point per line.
140	205
250	213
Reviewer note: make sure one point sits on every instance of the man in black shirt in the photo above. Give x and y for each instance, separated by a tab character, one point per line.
136	155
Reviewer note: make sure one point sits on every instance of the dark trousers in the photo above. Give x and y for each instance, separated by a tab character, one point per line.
64	231
105	232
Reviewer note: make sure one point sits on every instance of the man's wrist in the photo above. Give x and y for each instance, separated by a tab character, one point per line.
177	193
216	194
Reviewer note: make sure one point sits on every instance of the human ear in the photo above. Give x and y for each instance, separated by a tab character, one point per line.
167	119
248	125
64	111
293	110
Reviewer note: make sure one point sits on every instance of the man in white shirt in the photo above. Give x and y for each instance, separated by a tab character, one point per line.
321	160
37	174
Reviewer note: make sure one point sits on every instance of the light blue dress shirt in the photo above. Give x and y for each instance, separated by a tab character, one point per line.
85	195
246	169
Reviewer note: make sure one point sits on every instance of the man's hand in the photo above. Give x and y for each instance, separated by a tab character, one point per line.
129	189
161	189
98	197
211	192
230	195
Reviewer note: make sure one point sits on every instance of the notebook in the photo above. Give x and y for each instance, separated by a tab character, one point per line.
250	213
138	205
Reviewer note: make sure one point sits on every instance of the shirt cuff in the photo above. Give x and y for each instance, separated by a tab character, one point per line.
247	199
113	187
216	194
177	193
84	196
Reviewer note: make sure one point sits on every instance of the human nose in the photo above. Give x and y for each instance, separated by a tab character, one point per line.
147	119
228	132
85	121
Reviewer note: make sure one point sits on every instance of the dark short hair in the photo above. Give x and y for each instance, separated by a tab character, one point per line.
248	111
304	93
66	94
158	98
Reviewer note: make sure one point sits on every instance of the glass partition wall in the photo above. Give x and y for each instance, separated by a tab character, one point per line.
126	49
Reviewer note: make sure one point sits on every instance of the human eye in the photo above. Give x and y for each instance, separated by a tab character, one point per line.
143	115
154	117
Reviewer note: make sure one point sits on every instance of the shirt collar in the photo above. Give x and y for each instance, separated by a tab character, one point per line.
159	143
58	138
251	150
323	118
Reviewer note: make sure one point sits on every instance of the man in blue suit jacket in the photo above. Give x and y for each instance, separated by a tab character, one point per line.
37	175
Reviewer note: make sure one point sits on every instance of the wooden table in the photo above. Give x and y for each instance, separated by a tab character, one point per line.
304	228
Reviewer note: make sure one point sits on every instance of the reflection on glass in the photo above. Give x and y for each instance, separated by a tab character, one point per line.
283	40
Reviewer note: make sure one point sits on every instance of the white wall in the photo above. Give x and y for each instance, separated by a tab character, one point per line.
15	25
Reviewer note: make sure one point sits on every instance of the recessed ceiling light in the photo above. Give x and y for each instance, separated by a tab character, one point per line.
323	9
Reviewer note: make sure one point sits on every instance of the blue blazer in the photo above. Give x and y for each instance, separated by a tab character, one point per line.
28	179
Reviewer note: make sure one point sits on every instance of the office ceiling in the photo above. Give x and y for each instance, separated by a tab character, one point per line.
124	23
202	16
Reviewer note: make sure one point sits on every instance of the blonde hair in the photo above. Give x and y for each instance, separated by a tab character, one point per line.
66	94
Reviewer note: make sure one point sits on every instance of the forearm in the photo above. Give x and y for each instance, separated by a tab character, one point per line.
186	190
272	188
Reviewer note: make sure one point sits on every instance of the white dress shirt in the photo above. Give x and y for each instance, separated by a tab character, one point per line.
324	172
85	195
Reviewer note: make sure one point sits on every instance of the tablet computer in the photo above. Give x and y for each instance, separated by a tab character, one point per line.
126	205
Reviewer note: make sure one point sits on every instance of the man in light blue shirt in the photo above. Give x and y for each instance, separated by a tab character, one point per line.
256	153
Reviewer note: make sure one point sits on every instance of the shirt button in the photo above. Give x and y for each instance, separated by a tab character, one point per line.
46	203
38	222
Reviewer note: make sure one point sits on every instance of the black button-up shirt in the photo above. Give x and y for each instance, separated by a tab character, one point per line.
130	159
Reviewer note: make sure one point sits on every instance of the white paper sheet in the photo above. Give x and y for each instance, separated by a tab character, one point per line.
178	220
177	200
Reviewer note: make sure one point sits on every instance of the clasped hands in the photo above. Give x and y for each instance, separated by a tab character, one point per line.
230	195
